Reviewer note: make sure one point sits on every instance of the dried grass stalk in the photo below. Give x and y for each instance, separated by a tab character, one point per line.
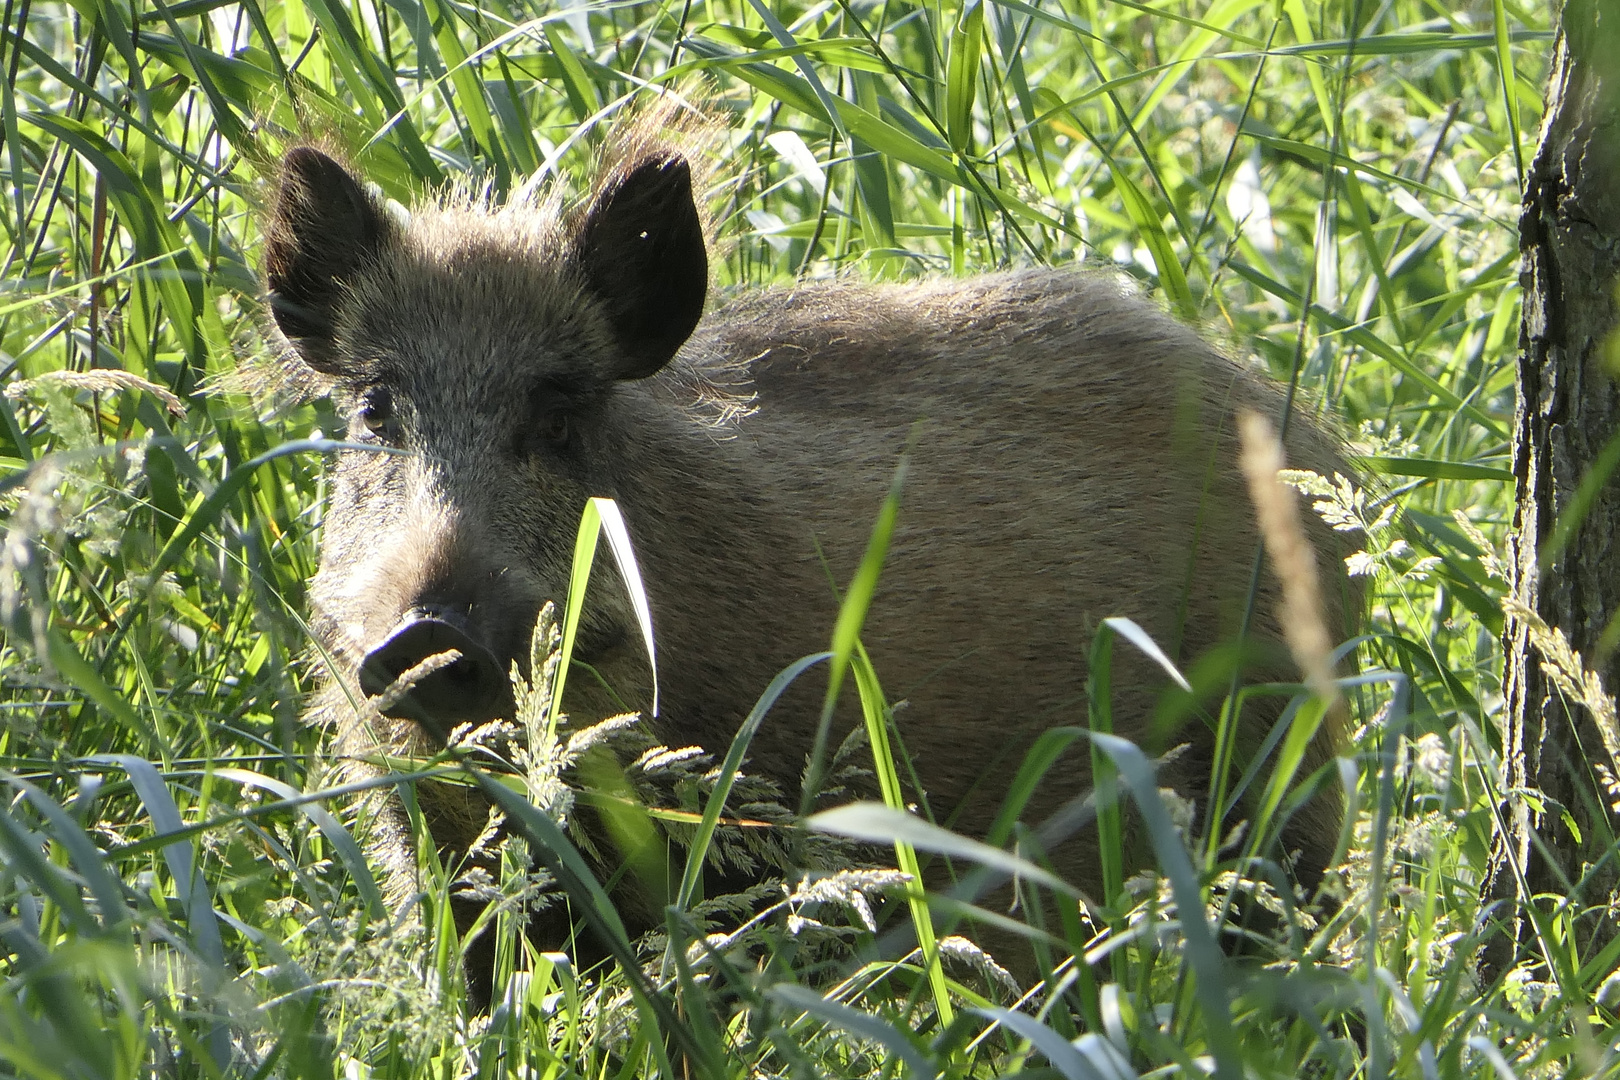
1276	509
101	381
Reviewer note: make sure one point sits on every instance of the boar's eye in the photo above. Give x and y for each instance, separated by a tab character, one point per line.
547	427
377	410
551	428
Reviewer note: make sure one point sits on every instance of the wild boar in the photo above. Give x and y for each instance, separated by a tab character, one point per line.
1071	457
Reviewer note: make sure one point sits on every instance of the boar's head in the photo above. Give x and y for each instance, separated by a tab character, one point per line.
479	351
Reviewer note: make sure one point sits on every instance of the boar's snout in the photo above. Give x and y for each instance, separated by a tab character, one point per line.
473	689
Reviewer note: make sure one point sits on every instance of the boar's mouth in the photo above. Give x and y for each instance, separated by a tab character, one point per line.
473	689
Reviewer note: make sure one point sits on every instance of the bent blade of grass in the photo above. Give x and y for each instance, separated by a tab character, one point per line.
25	854
189	883
875	823
90	861
1064	1056
862	1024
1110	828
601	515
1100	712
1130	631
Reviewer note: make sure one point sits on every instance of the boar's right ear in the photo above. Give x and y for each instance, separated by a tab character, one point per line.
321	230
643	253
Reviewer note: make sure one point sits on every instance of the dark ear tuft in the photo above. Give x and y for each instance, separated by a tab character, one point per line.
321	230
642	249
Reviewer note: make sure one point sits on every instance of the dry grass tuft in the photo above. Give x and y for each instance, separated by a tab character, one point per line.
1276	509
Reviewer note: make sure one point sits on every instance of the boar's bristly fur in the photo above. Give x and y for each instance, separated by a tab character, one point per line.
1072	457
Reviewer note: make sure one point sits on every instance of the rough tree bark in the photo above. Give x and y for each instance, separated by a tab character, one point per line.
1568	413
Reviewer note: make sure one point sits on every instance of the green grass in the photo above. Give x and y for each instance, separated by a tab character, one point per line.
181	887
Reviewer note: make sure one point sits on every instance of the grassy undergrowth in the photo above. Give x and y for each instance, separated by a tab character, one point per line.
1328	187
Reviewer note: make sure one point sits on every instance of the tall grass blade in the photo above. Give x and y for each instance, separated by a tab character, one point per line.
729	768
1146	217
1110	831
1209	967
1502	38
962	74
875	711
847	629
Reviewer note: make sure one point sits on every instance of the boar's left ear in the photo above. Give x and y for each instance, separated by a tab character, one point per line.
322	229
642	250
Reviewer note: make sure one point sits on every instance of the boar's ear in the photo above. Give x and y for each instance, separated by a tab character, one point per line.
321	230
641	247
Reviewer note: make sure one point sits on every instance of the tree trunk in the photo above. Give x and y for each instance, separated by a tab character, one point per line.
1568	413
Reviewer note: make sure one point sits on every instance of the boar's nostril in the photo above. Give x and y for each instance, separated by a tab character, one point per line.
473	689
